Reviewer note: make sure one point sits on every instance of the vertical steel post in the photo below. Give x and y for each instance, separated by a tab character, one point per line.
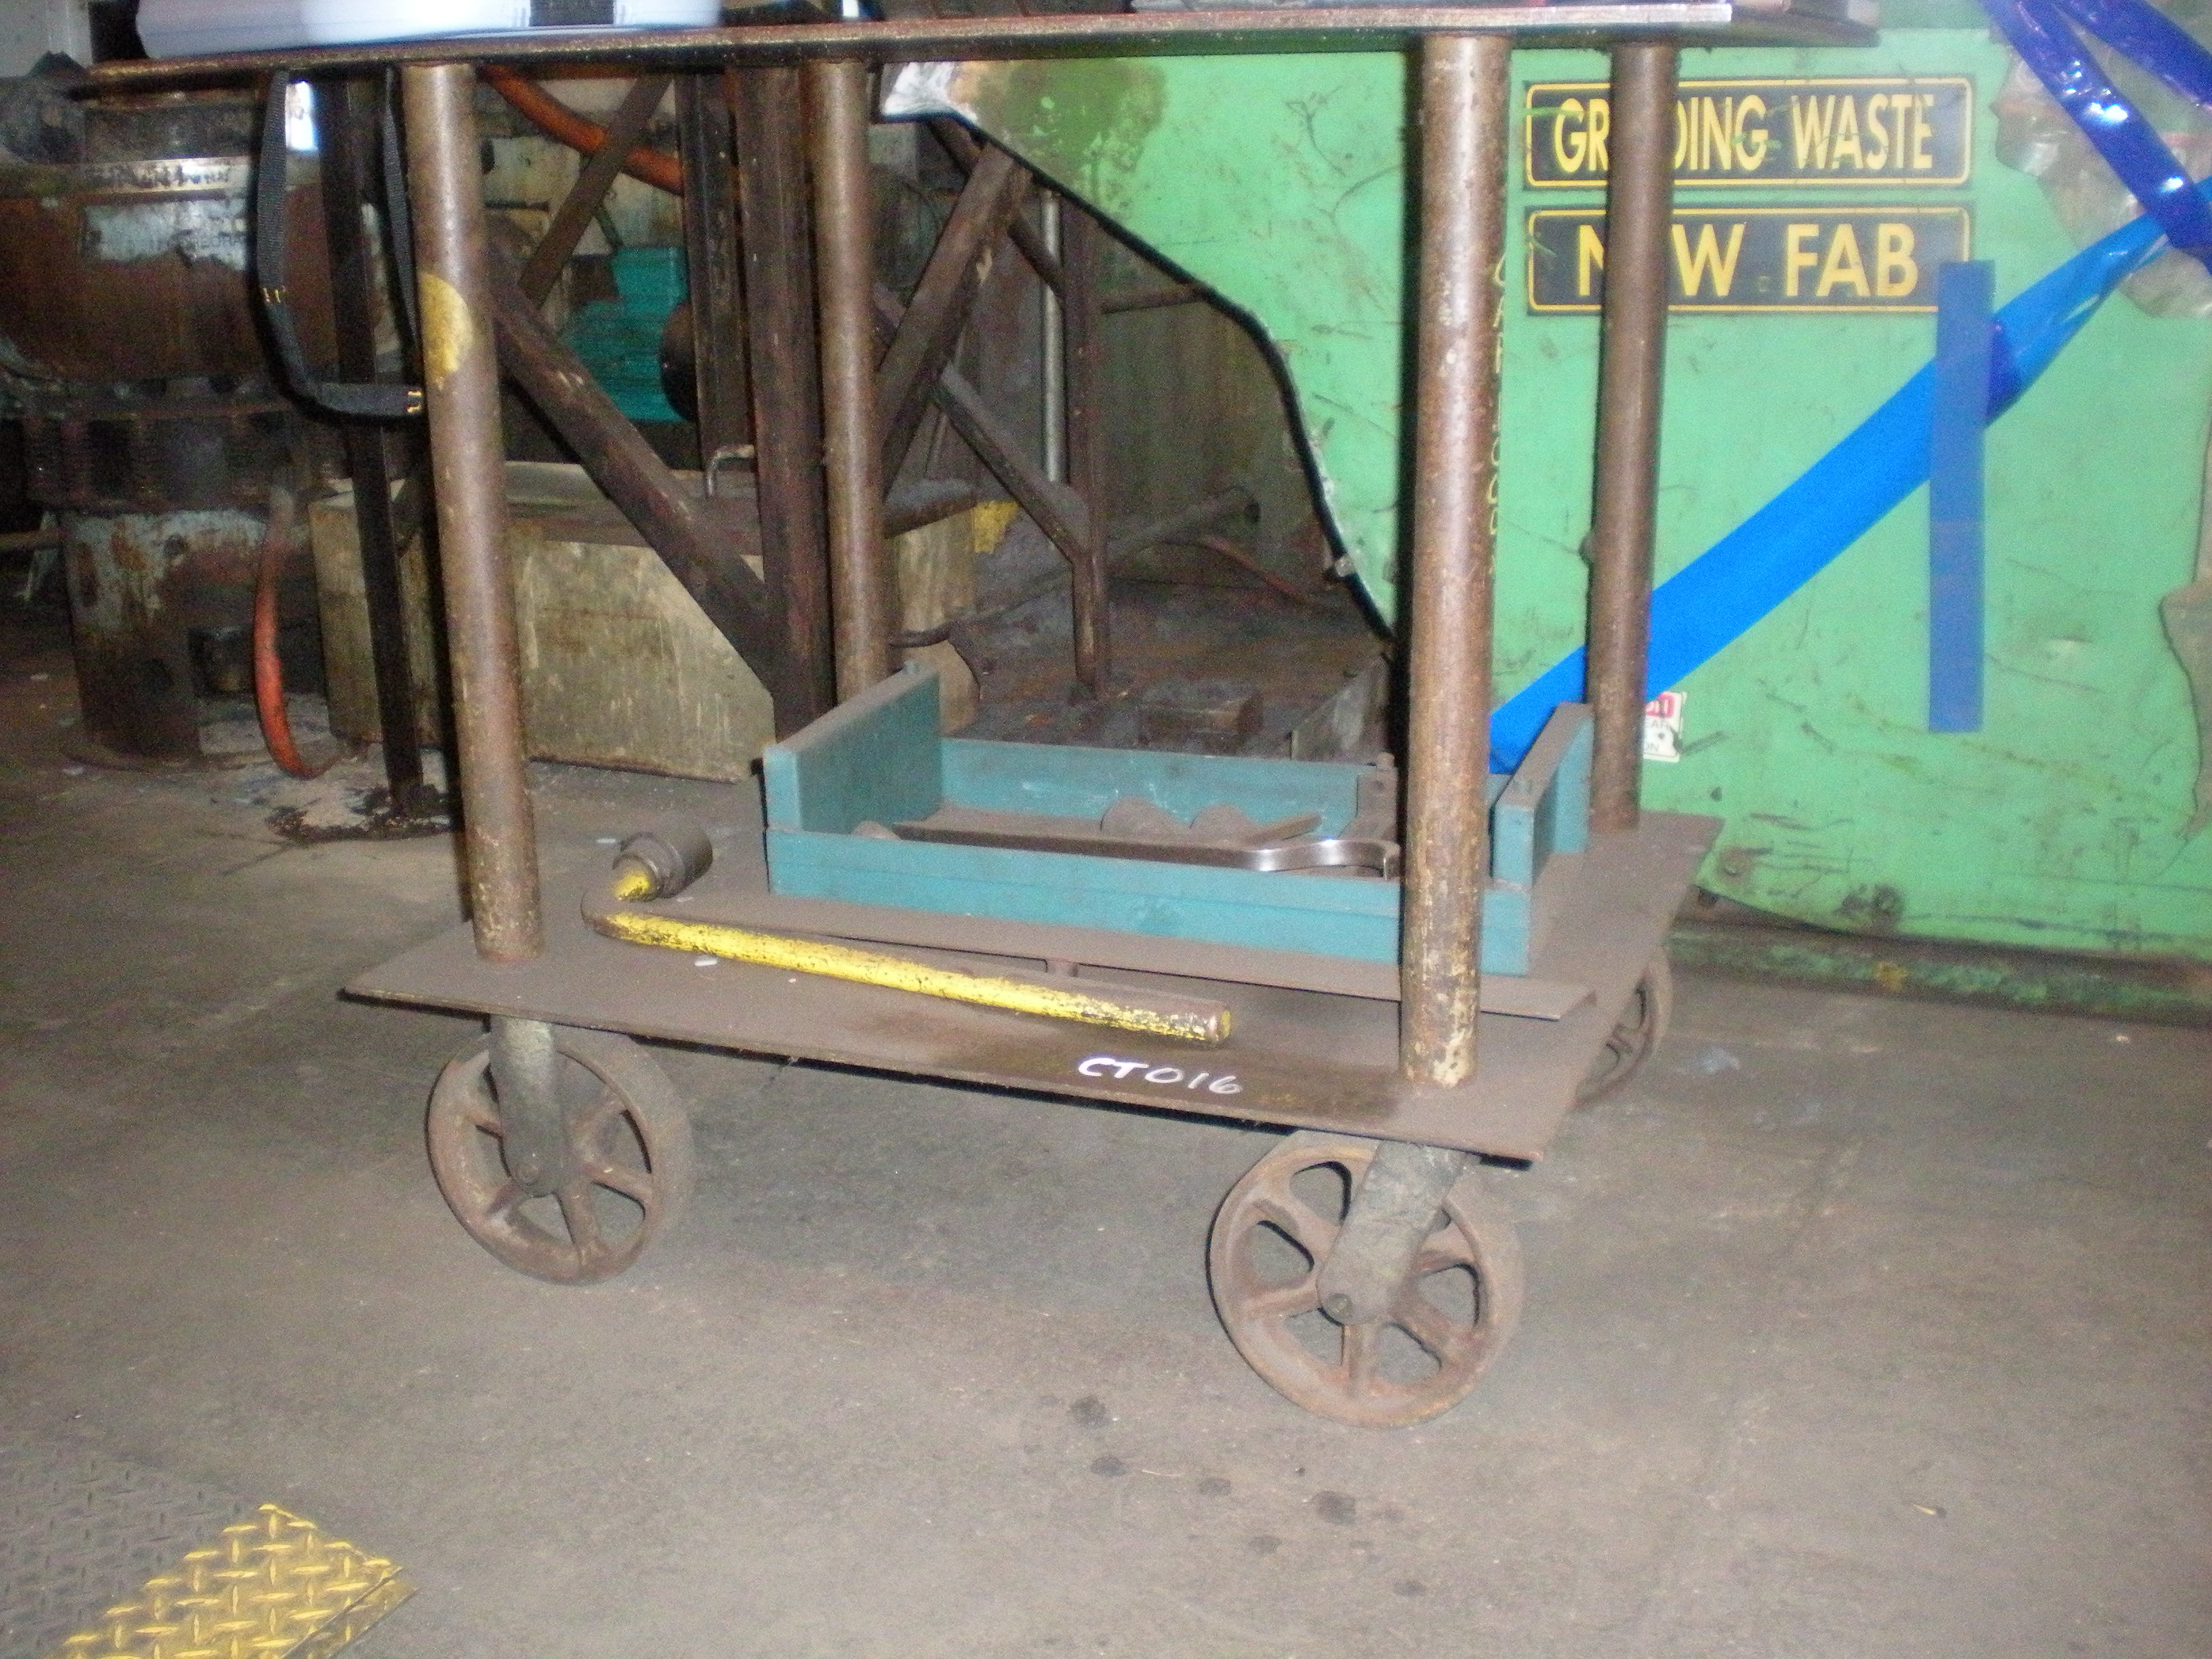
468	472
1083	356
1639	202
783	366
1464	99
844	257
346	111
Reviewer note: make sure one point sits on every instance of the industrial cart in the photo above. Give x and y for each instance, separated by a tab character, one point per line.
1360	1267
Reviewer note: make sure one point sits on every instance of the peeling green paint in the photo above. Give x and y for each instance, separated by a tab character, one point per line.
1092	117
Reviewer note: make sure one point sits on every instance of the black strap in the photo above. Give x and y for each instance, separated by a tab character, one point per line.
374	401
398	222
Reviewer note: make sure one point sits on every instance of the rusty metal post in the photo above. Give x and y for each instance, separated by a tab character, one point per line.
1082	261
844	257
468	472
346	111
1632	361
1463	112
783	366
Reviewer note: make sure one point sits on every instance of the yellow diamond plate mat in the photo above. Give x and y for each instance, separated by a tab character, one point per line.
275	1587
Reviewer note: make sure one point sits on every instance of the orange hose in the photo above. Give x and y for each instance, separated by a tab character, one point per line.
268	666
558	122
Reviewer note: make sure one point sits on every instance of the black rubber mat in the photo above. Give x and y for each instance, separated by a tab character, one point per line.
81	1531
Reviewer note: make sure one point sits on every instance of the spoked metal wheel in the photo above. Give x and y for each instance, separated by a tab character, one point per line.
1451	1317
1643	1027
629	1168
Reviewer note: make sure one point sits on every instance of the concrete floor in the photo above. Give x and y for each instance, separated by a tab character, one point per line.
1856	1328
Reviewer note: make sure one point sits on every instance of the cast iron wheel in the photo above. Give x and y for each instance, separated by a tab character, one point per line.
629	1160
1643	1027
1453	1315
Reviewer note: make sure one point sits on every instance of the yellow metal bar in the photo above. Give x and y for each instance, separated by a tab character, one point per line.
1194	1021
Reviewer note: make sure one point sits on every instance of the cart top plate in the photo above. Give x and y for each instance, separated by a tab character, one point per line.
1356	28
1302	1059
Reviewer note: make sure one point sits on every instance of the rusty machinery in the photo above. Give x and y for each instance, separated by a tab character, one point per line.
130	353
156	425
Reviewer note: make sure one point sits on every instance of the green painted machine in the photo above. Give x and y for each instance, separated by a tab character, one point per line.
2065	822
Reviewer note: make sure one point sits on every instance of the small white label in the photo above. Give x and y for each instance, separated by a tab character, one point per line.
1162	1077
1662	728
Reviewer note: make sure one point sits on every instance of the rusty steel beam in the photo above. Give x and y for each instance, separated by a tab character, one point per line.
468	468
784	369
346	114
1082	254
844	253
1631	371
1058	511
939	311
696	543
1465	97
966	149
593	179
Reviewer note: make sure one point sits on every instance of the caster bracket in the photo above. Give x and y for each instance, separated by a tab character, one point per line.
525	1072
1398	1200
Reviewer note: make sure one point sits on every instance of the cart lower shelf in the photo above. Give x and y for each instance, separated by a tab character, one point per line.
1303	1059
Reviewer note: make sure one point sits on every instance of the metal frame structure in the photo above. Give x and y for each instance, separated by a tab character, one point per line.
1400	1099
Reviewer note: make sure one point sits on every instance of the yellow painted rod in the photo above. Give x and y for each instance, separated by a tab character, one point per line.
1155	1014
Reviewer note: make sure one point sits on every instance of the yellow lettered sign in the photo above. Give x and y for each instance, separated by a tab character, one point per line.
1825	259
1851	130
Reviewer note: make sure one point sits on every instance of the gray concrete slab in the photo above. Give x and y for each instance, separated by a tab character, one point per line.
1856	1328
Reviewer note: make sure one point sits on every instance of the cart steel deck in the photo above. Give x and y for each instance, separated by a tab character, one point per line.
1305	1059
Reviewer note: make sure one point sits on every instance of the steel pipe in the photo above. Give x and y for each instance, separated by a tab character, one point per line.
1464	109
844	256
1633	364
468	472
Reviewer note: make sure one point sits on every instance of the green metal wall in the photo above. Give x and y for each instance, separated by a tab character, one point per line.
1279	180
